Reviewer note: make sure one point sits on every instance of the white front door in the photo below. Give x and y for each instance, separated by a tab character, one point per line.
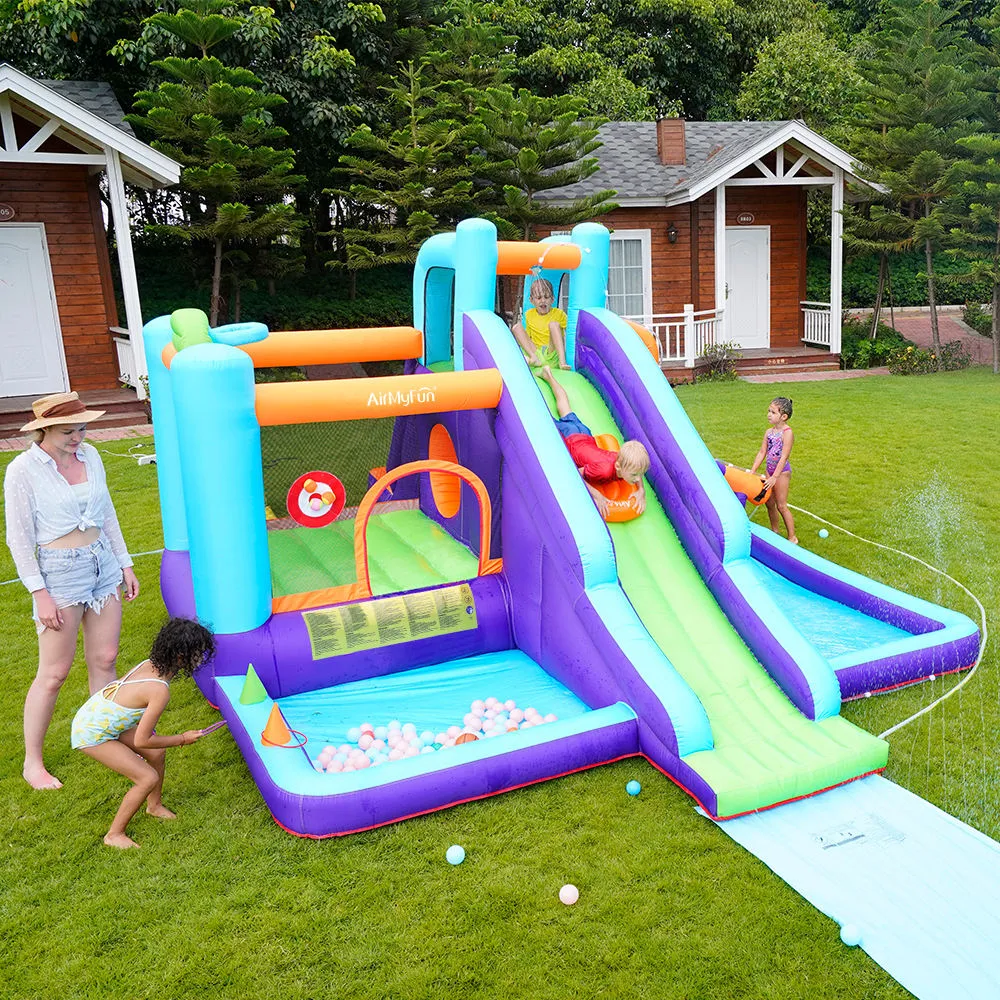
748	284
31	354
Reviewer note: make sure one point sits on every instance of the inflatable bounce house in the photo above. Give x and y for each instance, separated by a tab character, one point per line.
418	604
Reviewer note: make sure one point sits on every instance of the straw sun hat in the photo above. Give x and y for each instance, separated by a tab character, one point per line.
60	408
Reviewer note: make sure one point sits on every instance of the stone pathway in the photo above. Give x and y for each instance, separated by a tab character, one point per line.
110	434
917	327
816	376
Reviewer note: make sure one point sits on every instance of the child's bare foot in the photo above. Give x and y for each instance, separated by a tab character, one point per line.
546	373
794	541
40	779
565	367
160	812
120	840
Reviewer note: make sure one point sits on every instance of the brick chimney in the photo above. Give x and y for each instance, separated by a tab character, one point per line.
670	141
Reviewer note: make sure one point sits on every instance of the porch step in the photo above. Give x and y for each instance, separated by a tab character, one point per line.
826	365
121	407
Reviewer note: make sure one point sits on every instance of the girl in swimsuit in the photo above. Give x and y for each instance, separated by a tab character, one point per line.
775	451
115	726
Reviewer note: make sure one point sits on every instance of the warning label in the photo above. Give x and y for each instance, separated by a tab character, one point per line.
386	621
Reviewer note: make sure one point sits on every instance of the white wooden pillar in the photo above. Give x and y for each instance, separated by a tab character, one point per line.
126	264
836	259
720	253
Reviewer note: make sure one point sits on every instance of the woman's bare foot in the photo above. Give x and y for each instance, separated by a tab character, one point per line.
40	779
120	840
160	812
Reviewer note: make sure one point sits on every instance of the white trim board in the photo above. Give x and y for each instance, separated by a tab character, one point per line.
146	166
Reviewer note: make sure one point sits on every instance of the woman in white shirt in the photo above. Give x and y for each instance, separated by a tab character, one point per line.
68	548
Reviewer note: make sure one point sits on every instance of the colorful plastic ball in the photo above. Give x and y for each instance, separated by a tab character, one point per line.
491	703
478	707
395	754
328	498
365	740
309	485
455	854
395	724
552	717
409	729
335	767
510	705
427	736
381	732
353	734
633	788
850	934
516	715
315	503
823	533
453	731
471	721
569	894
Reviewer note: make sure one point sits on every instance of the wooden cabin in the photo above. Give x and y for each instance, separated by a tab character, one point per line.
60	326
709	239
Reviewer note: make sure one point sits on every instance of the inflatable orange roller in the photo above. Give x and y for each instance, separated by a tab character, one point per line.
621	495
748	483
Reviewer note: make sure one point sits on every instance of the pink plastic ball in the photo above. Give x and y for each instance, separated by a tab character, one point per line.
491	703
395	754
552	717
441	738
454	731
366	741
478	707
335	767
345	748
510	705
362	763
367	727
349	767
471	720
316	503
378	744
488	725
516	715
411	752
393	738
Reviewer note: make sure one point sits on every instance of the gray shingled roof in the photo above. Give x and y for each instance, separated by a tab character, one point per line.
630	164
93	96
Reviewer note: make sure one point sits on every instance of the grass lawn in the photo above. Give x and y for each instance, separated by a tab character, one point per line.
223	903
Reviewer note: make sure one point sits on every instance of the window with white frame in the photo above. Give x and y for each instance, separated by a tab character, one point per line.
630	286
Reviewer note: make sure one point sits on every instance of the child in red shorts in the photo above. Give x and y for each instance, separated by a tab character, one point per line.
596	464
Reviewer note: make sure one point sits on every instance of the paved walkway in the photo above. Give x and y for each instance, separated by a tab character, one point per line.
817	376
917	327
110	434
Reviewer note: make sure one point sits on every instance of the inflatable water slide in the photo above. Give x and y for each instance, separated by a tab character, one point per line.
465	622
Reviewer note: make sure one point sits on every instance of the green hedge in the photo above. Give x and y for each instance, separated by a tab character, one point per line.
908	288
306	302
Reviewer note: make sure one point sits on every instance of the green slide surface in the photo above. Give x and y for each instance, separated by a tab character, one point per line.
765	750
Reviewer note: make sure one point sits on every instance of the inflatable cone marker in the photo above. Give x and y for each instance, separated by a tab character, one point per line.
253	690
276	733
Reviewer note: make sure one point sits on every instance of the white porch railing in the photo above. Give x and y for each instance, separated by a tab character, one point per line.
816	323
126	359
683	336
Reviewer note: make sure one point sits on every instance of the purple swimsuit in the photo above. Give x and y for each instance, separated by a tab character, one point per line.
775	442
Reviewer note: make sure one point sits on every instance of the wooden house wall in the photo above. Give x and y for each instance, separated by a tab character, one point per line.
65	199
684	271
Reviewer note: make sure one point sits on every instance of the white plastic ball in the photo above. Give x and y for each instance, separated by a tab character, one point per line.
569	894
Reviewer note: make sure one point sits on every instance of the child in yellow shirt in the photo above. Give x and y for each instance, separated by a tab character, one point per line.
542	329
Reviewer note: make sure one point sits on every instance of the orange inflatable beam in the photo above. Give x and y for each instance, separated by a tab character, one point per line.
647	338
387	396
335	347
520	258
329	347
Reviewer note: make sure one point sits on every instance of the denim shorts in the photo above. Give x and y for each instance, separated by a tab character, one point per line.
87	575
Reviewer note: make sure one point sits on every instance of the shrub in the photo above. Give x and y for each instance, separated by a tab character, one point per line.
912	361
978	318
858	350
954	356
721	362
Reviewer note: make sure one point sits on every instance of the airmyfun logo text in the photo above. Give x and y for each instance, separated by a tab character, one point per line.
425	394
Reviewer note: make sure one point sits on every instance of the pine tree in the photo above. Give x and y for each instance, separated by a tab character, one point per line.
920	100
978	237
411	173
528	145
216	121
